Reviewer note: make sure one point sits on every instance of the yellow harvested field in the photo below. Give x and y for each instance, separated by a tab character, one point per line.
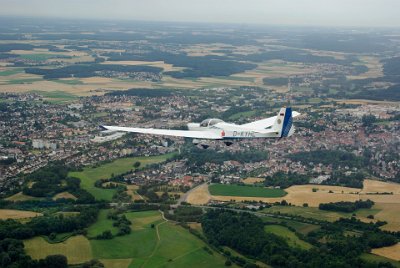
91	86
96	80
225	81
17	214
373	186
131	190
361	101
166	66
200	50
274	69
392	252
300	194
77	249
46	51
65	195
375	68
199	196
116	263
252	180
389	212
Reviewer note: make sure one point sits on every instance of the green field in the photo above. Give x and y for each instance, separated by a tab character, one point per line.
90	175
23	81
375	258
68	82
249	191
292	239
102	224
77	249
166	245
38	57
303	228
11	71
56	96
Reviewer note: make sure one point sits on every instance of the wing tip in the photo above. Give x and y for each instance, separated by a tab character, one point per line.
103	127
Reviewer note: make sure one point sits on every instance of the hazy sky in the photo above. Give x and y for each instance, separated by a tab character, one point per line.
284	12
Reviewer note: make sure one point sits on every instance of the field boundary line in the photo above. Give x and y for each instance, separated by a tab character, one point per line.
183	255
157	245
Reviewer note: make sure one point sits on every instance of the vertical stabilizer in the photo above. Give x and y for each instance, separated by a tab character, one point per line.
284	123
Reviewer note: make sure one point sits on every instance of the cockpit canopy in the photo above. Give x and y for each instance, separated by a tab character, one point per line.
210	122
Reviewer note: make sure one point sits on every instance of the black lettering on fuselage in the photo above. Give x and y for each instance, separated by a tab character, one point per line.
244	134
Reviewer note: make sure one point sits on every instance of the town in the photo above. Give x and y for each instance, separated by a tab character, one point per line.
35	132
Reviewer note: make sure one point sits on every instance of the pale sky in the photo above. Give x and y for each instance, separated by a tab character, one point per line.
272	12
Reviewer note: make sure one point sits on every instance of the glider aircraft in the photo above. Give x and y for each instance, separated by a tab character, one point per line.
278	126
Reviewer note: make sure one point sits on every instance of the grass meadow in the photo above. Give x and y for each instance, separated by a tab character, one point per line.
292	239
90	175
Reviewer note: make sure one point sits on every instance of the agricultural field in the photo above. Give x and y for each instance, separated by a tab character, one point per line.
153	242
290	237
389	212
386	206
17	214
392	252
199	196
77	249
64	195
251	180
300	194
102	224
166	245
90	175
57	96
376	258
21	197
246	191
315	213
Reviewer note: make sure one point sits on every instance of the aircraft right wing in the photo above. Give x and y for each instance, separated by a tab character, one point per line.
210	135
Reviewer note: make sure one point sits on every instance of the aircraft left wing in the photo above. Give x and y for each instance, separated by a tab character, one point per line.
210	135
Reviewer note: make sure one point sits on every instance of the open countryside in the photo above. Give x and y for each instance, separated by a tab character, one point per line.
73	195
90	175
166	244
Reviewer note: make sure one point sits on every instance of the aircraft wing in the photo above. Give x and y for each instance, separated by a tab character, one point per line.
265	123
210	135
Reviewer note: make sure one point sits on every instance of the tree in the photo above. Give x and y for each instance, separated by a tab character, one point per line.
368	120
136	164
59	261
105	235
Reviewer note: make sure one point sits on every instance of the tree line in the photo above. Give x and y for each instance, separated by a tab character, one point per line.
52	179
335	158
345	206
245	233
199	157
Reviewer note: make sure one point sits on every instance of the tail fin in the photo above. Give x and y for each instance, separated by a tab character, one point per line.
284	123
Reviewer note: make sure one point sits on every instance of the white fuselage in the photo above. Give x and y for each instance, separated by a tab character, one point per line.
231	131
